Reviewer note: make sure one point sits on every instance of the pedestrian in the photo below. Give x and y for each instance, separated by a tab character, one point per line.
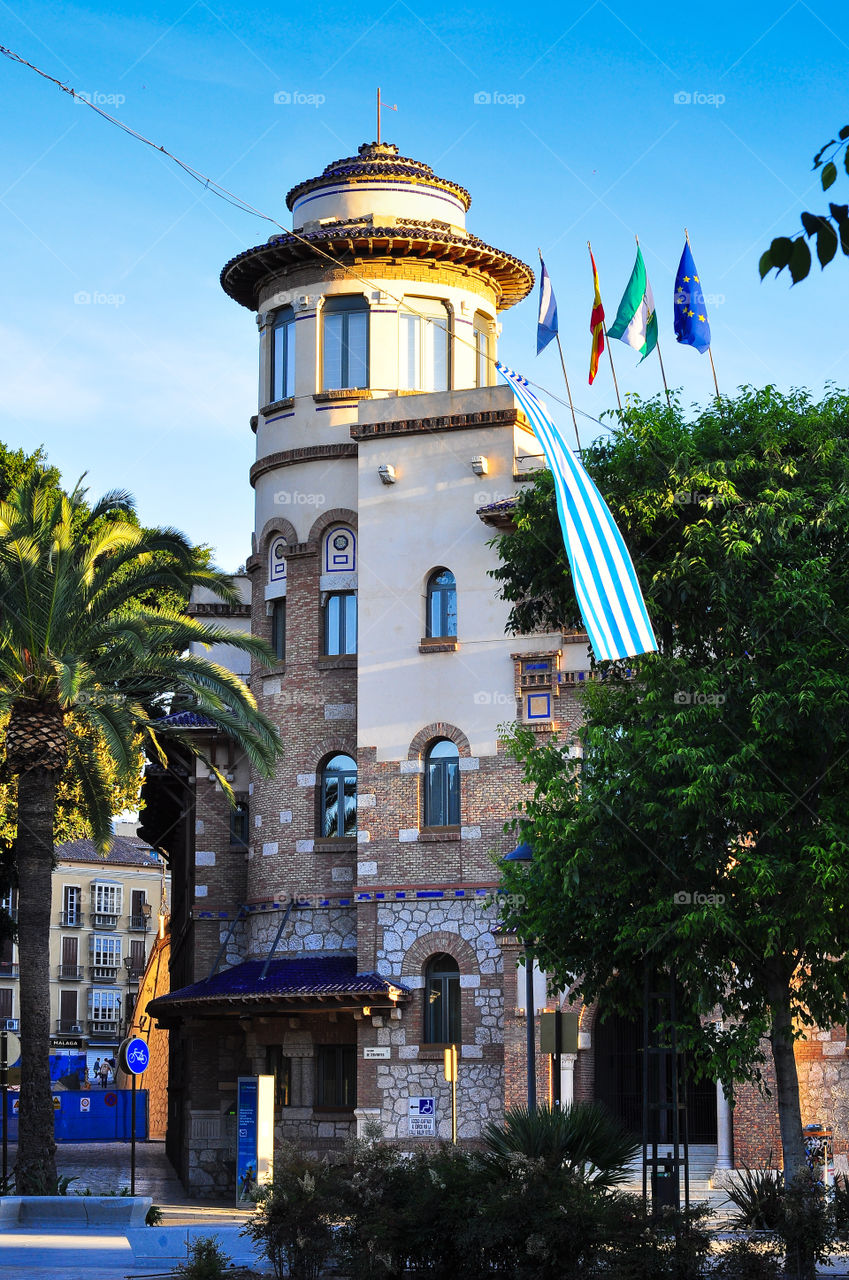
95	1071
104	1073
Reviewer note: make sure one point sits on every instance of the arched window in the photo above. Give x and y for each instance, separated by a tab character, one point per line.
339	797
441	603
482	332
424	345
278	628
442	1000
283	355
442	785
345	343
277	560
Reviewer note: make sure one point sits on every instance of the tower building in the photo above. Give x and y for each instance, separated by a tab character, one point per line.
337	928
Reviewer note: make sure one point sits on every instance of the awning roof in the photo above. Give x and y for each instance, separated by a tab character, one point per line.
290	983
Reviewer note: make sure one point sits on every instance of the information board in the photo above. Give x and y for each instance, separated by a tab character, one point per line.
422	1113
254	1135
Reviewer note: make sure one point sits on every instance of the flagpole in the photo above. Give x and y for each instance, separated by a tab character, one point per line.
568	391
657	345
607	345
562	364
710	351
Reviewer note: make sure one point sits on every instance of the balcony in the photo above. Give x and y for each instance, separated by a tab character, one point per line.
71	972
105	1026
71	919
103	973
66	1028
9	970
104	920
140	923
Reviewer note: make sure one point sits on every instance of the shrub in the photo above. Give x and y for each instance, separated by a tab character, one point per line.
583	1138
293	1224
746	1259
757	1195
206	1260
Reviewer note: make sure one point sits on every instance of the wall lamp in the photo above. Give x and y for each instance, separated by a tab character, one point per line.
386	471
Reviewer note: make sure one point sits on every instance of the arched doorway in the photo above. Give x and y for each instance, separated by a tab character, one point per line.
618	1055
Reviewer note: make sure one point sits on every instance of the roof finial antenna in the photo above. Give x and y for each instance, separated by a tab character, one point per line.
385	106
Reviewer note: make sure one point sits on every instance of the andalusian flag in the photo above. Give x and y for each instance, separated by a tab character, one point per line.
596	324
636	320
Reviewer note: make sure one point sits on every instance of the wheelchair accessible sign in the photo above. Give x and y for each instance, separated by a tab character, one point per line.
422	1114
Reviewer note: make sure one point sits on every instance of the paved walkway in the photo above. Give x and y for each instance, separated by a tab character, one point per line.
103	1167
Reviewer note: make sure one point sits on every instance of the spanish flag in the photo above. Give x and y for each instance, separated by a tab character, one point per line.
596	324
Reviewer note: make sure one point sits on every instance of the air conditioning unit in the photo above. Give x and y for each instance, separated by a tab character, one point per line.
9	1024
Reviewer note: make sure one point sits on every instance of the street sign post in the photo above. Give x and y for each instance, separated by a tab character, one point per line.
134	1060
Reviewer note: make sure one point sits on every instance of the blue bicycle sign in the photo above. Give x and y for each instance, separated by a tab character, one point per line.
136	1055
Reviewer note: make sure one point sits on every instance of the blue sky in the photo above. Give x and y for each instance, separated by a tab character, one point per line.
586	135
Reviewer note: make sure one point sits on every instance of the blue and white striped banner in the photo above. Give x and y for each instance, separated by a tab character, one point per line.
606	585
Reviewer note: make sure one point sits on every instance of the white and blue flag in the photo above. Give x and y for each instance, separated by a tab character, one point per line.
547	323
606	585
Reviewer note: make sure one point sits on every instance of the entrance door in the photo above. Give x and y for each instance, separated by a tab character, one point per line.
619	1080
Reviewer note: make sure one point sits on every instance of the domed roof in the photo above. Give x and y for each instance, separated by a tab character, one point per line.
378	160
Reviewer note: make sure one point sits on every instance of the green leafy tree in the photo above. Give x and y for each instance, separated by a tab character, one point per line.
706	827
829	231
75	640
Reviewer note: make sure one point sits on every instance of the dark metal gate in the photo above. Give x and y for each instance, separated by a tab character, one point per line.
618	1043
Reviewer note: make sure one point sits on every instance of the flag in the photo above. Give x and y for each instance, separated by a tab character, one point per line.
636	320
606	585
547	323
691	322
596	324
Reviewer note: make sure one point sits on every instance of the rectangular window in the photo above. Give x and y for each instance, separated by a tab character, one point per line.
423	353
137	959
72	905
279	1066
104	1006
336	1075
107	899
67	1010
283	357
5	1003
278	628
345	344
340	623
239	816
70	958
105	951
483	363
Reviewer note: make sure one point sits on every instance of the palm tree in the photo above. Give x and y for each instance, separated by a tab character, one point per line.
582	1139
75	640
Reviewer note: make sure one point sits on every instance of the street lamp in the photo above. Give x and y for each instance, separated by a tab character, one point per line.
524	853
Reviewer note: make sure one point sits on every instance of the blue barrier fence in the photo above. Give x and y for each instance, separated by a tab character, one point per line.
101	1115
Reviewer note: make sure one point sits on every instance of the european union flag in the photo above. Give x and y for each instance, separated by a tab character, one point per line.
691	322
